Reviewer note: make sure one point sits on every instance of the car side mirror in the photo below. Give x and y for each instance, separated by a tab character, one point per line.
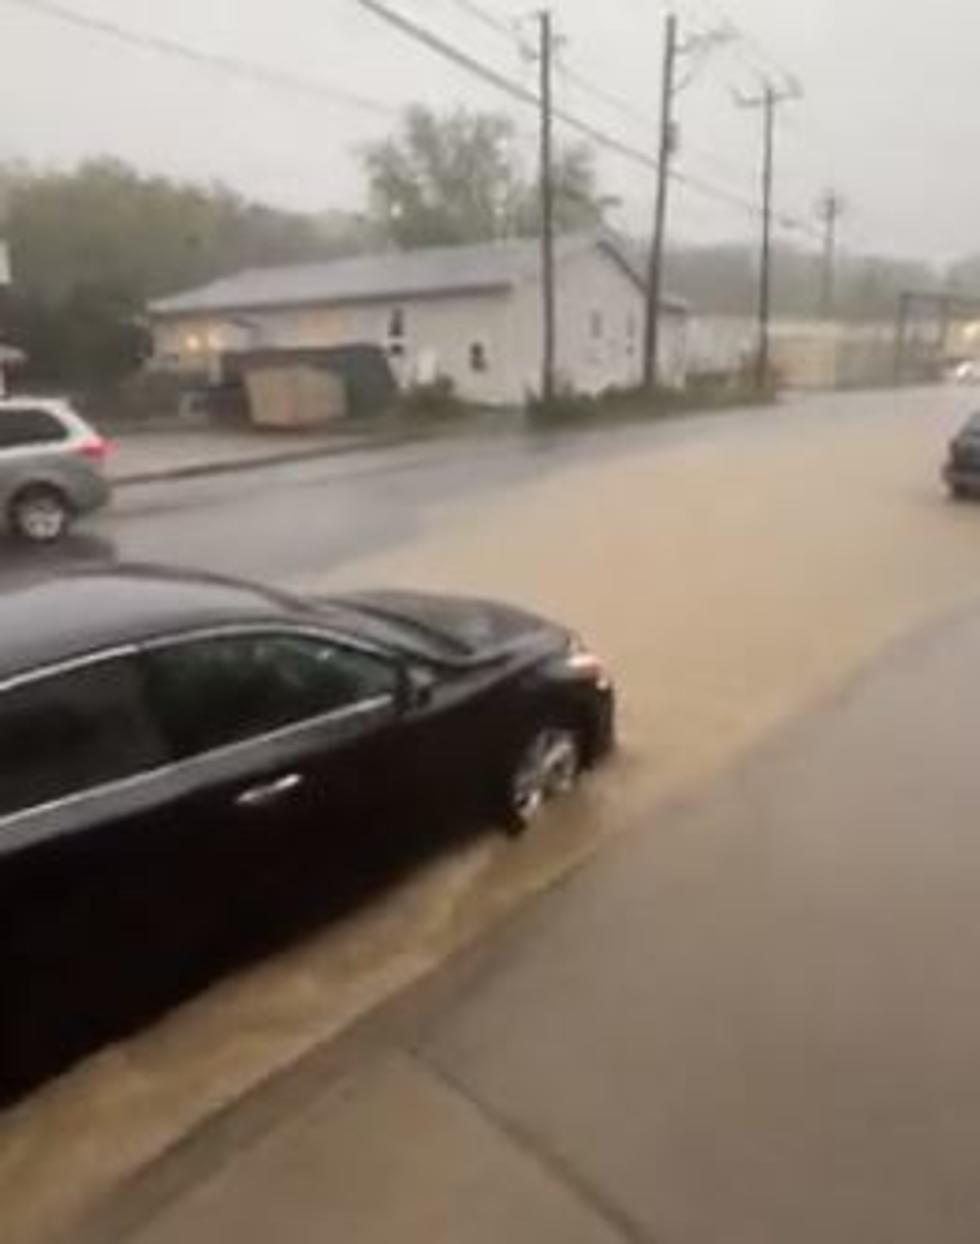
418	687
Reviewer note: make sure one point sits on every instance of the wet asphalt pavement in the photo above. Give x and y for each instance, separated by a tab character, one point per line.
293	521
754	1019
736	571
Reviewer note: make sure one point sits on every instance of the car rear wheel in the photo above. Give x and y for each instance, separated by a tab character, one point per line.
40	514
545	767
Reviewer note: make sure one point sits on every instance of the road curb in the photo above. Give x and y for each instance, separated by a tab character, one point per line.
198	470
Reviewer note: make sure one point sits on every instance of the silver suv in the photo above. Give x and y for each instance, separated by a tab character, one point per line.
52	467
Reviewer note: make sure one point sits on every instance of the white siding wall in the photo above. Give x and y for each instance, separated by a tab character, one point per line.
439	336
600	333
600	329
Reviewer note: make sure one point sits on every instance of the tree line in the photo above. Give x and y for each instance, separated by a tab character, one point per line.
92	245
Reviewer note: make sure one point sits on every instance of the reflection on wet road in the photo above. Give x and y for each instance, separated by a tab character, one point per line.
296	520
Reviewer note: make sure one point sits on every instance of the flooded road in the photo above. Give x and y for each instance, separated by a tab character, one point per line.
733	573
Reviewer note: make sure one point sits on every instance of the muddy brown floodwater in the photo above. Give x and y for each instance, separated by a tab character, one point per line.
731	580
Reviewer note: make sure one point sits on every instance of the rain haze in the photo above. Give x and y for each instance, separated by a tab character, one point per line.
889	95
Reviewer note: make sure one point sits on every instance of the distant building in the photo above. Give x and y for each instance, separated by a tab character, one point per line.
471	313
806	354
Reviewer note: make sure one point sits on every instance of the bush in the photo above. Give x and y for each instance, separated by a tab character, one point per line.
565	407
436	399
717	392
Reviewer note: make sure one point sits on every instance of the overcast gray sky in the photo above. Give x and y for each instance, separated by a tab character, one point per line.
889	118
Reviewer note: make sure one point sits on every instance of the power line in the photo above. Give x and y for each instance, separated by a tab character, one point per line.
282	80
509	31
768	101
488	19
525	95
764	58
233	66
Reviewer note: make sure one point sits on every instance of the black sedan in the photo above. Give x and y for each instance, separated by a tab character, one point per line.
180	754
962	469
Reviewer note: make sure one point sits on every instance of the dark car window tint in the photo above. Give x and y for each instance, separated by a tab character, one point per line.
26	426
70	732
211	692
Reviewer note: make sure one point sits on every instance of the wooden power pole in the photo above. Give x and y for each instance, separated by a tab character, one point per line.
651	343
549	334
768	101
829	209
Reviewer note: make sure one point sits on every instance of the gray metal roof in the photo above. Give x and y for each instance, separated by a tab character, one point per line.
397	274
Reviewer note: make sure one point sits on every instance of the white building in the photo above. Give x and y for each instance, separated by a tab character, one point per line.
472	313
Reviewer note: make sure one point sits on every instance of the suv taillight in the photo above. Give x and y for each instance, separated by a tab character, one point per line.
95	449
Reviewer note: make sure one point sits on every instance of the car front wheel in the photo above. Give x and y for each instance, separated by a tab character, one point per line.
545	767
40	514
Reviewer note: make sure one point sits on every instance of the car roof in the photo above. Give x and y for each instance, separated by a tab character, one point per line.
59	408
48	619
30	401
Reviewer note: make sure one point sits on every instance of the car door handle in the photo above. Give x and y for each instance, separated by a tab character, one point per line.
269	793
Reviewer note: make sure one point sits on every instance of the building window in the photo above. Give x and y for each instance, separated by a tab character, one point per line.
478	357
631	331
595	325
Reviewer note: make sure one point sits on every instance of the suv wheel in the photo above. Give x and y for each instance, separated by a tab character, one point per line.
40	514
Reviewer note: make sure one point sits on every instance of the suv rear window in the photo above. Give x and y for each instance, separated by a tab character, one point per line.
67	733
27	425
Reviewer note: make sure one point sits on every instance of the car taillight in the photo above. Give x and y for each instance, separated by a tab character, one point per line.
95	449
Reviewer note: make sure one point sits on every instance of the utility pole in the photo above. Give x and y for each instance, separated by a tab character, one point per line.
696	46
547	213
768	101
651	344
829	209
905	300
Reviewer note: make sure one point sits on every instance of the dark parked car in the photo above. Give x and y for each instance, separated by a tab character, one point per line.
962	469
181	755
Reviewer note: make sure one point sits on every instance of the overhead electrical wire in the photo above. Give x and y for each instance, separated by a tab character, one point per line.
283	80
525	95
244	69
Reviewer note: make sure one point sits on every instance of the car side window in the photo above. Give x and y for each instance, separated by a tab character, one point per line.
212	692
67	733
25	425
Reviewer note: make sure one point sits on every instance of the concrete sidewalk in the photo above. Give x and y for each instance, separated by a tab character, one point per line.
152	456
756	1022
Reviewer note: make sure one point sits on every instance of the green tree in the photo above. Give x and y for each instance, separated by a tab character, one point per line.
90	246
453	178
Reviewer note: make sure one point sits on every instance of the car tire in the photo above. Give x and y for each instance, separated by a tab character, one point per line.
546	765
39	514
